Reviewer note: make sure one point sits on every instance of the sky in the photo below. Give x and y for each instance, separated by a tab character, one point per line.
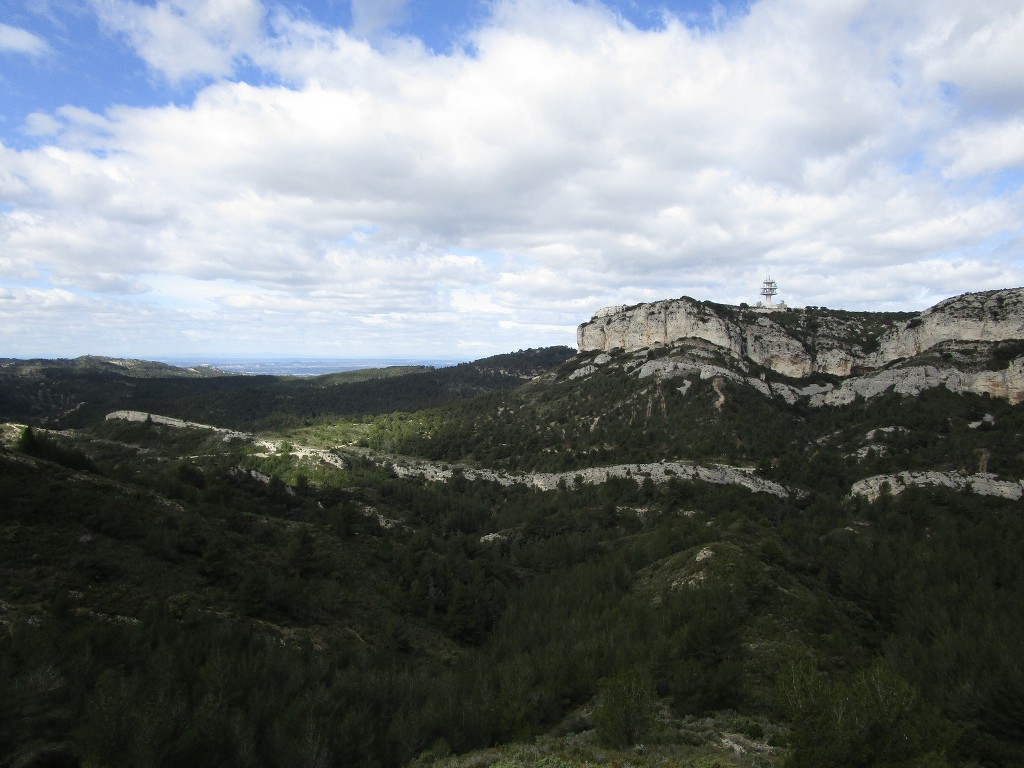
453	179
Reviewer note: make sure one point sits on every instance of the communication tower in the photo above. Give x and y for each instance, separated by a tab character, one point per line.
768	289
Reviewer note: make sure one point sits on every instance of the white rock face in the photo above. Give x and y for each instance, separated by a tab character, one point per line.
761	337
986	316
661	322
1008	384
586	370
328	457
664	322
605	311
169	421
981	484
661	472
664	368
836	360
769	345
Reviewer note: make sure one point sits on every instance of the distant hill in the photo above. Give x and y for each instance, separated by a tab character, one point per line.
138	369
62	392
370	374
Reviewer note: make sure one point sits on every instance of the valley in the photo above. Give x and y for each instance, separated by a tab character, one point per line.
704	541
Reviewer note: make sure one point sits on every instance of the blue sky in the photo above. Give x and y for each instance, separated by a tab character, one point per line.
445	179
91	66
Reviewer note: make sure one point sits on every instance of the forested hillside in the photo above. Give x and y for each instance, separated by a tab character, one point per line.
78	392
308	596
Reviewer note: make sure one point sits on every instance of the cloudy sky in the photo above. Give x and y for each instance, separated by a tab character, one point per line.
457	178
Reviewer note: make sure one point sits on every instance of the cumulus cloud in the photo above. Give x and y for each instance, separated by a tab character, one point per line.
17	40
563	160
975	49
984	148
371	17
186	38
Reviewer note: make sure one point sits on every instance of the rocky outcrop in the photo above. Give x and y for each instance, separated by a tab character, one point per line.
274	446
986	316
697	361
872	488
912	380
169	421
664	322
767	344
661	472
800	343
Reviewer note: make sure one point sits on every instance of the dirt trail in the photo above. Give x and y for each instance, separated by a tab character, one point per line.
716	383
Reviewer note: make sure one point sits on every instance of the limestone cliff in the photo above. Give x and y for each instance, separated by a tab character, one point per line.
951	344
663	322
986	316
790	342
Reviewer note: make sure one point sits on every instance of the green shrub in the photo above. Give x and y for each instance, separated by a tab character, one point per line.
625	712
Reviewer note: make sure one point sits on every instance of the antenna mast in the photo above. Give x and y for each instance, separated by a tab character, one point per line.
768	289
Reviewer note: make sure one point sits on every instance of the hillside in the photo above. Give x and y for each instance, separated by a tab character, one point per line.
73	394
671	554
12	368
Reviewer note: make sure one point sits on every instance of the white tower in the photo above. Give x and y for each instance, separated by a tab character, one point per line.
768	289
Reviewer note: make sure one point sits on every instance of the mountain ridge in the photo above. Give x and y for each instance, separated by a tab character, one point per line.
976	336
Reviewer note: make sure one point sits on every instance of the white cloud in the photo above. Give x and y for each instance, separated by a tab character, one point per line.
104	282
186	38
39	124
985	148
17	40
370	17
568	162
976	49
476	303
